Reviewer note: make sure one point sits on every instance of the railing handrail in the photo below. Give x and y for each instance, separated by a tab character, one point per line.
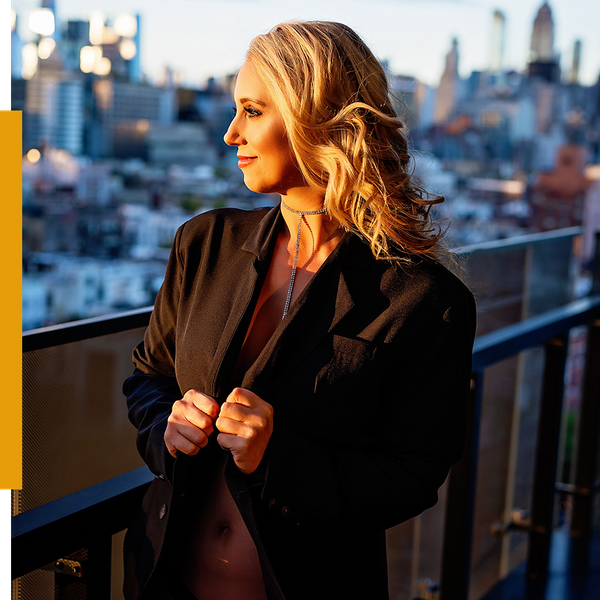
520	241
77	331
512	339
43	534
56	529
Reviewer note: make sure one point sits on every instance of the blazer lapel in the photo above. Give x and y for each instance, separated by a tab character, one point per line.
323	303
219	366
261	244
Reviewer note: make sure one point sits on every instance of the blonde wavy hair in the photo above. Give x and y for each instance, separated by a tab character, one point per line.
347	139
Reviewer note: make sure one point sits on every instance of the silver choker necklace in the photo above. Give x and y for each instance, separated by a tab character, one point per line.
301	215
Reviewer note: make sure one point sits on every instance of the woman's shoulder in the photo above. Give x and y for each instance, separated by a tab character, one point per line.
426	281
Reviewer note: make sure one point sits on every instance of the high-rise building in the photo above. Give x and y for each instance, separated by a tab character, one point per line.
542	38
125	112
121	46
497	41
54	111
75	35
135	64
51	5
574	75
448	88
543	62
16	47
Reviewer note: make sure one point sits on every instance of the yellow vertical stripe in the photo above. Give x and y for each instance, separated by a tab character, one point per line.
10	299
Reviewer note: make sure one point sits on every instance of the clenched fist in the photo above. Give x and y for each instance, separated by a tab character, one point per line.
190	423
245	423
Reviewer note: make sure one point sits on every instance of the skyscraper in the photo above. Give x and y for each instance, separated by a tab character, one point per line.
574	78
543	62
447	90
542	38
497	41
51	5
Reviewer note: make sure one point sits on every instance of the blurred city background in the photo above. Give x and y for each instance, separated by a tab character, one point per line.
118	153
113	163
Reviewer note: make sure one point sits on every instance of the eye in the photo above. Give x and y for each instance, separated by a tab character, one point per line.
252	112
234	110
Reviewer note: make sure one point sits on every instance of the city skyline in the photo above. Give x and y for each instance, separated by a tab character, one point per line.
220	31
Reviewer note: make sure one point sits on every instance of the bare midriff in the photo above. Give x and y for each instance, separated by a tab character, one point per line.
222	563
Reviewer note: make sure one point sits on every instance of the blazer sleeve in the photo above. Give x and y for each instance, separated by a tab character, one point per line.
152	389
419	432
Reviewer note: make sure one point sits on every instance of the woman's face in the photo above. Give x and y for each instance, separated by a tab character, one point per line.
258	132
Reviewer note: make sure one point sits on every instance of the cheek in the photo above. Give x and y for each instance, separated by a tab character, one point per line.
285	157
280	147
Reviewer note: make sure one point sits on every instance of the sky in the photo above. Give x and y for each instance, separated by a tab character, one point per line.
200	38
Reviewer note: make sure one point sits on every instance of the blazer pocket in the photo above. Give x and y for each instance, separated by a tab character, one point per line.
358	348
351	370
347	392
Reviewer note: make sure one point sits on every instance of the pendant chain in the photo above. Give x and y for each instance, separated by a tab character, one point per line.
301	215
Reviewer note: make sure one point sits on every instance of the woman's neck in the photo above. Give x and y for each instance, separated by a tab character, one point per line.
318	231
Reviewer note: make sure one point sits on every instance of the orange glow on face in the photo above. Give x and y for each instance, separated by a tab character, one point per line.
258	132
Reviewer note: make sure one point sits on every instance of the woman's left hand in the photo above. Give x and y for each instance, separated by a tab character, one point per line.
245	423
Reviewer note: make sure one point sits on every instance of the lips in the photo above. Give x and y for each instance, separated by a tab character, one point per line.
244	161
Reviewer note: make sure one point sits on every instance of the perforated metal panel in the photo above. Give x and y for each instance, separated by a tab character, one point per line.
75	433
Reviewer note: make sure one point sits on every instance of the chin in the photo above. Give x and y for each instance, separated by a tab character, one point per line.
261	188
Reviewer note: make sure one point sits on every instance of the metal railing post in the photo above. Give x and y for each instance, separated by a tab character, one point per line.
460	505
587	445
99	569
546	458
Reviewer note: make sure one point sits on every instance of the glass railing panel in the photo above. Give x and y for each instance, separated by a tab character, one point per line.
497	280
550	275
75	427
415	552
402	541
522	452
521	277
500	382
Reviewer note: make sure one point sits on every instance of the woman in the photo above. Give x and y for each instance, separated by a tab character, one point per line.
301	383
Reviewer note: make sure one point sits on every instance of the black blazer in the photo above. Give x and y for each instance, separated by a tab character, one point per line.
368	375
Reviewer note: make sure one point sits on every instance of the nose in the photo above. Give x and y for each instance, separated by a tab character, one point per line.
232	136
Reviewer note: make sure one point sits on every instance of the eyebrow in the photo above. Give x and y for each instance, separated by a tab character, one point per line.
244	100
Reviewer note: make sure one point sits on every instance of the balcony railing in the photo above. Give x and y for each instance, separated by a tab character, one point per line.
71	535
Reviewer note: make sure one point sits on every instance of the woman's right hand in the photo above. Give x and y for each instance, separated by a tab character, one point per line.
190	423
